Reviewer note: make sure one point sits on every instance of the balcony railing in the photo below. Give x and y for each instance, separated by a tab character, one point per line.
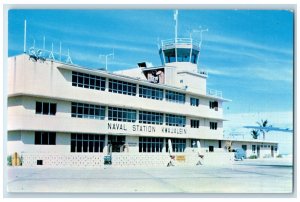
215	93
179	41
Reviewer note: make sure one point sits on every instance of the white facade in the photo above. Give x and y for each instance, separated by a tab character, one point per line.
31	82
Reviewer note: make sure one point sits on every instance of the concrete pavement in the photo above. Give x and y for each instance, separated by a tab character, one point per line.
248	176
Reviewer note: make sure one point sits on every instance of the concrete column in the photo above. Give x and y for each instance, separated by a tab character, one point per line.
137	90
164	146
106	84
105	149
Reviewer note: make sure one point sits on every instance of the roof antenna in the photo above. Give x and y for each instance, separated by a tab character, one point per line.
176	23
60	51
24	36
44	41
106	56
51	55
200	43
69	60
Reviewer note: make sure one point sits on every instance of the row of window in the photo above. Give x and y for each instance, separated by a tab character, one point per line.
121	114
194	102
195	123
87	142
150	92
150	144
175	97
45	108
213	125
151	118
81	110
90	111
98	83
45	138
175	120
88	81
121	87
154	144
94	143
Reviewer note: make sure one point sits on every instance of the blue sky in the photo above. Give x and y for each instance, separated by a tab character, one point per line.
248	53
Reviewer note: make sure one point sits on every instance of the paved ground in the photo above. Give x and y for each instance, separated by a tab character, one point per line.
248	176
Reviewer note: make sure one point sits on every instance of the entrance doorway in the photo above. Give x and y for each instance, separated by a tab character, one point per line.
272	150
258	151
115	143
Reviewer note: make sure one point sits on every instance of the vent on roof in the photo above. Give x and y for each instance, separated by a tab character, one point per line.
142	64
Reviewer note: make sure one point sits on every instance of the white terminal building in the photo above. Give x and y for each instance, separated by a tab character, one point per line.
63	115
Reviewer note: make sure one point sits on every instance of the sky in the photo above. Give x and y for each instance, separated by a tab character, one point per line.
248	53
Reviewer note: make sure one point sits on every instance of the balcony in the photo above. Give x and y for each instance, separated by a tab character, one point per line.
170	43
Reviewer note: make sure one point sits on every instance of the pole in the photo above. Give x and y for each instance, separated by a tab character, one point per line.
106	62
176	25
24	36
44	43
60	51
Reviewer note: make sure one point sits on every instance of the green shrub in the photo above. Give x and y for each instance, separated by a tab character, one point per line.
9	160
252	157
279	156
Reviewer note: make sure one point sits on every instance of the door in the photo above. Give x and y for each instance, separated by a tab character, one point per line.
115	143
258	151
272	150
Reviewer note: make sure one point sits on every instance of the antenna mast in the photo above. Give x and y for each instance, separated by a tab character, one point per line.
106	57
176	24
24	36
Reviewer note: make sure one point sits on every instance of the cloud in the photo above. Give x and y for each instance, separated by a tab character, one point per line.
245	43
269	72
95	61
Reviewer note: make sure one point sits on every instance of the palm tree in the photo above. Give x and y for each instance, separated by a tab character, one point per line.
255	134
263	125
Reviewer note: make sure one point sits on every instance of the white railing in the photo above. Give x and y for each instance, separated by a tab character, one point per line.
188	41
215	93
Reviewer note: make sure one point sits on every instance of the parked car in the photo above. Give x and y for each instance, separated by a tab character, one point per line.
239	154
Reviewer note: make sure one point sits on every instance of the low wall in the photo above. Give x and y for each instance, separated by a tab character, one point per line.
150	160
218	158
77	160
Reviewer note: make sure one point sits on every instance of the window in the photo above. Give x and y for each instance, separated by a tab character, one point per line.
172	96
88	81
45	108
213	105
213	125
152	93
45	138
194	143
174	120
194	102
150	144
150	118
80	110
194	123
122	87
178	145
120	114
211	148
91	143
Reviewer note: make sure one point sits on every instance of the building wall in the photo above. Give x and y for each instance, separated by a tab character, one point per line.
23	141
264	151
22	116
46	80
194	83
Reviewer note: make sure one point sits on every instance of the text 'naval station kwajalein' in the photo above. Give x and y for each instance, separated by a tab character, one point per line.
144	128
